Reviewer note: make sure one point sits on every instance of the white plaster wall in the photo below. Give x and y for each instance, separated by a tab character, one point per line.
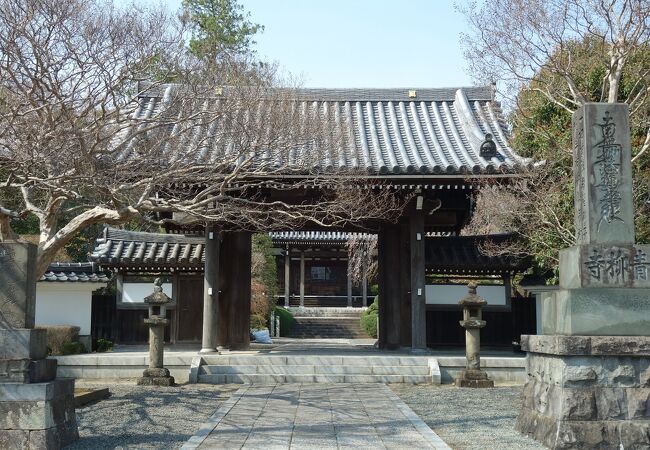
136	292
449	294
65	303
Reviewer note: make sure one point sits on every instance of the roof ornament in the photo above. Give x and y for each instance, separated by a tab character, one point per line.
488	147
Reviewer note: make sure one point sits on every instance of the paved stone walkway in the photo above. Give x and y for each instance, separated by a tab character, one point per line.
315	416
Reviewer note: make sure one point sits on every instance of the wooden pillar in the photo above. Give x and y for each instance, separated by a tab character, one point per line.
389	311
364	282
225	287
302	278
240	292
287	277
349	287
403	273
210	290
418	282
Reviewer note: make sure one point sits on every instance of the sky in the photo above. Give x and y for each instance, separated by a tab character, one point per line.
361	43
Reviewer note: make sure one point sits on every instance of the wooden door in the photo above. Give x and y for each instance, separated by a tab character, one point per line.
190	309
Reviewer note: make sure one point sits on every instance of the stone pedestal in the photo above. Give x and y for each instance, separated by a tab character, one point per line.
587	391
36	410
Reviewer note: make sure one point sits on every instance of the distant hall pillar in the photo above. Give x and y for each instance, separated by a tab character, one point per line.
287	277
302	278
349	290
210	290
364	282
418	281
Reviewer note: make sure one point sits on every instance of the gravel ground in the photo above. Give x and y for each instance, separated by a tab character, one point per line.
144	417
469	418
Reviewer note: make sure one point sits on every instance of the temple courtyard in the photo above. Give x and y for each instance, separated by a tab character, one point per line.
301	416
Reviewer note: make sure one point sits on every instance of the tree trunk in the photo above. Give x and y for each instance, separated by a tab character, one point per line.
6	232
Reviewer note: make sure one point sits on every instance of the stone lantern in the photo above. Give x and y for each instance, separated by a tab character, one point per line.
473	321
156	374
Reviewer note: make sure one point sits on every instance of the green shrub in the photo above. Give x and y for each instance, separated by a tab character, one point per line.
72	348
369	319
286	320
258	322
103	345
58	335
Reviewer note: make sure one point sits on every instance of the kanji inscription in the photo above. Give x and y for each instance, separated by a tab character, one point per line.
602	175
608	166
625	266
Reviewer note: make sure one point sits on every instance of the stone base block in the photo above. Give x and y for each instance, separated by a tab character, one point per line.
474	379
27	371
156	377
596	311
156	381
587	391
155	372
50	439
37	415
23	343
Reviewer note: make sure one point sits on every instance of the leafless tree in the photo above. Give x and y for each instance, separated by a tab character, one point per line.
362	256
90	133
549	49
513	41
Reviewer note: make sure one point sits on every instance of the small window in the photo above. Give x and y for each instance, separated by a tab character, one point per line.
321	273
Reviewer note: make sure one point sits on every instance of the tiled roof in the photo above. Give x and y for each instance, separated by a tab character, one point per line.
385	131
462	255
75	272
155	251
320	237
141	250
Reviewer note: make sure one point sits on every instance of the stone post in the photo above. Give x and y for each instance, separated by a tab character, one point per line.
156	374
473	321
589	372
36	410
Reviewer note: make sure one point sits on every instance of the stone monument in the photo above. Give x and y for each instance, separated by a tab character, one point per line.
473	321
36	410
156	374
589	372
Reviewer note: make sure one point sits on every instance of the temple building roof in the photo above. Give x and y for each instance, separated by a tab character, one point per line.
140	251
383	131
83	272
148	251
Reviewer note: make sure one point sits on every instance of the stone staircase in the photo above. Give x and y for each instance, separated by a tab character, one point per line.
268	369
327	323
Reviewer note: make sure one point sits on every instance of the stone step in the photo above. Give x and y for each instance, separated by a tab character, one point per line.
320	360
284	378
326	312
315	370
328	327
